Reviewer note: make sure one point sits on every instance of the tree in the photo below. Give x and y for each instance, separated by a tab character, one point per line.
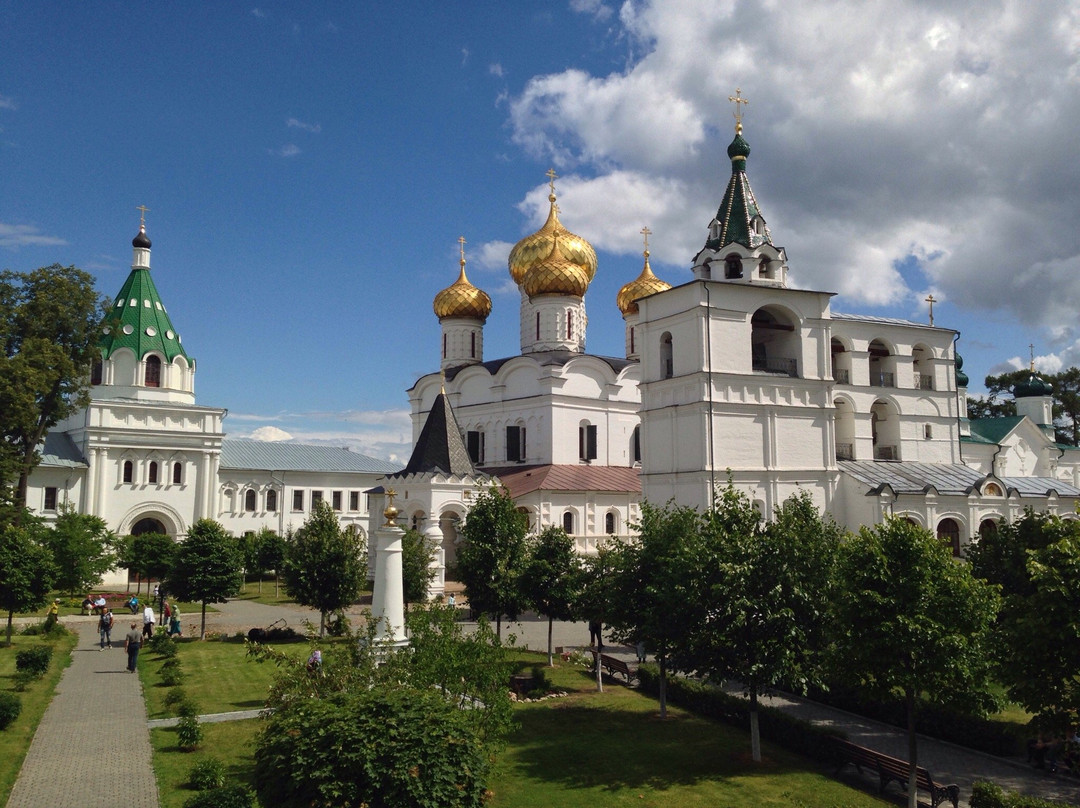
206	567
27	572
271	554
1036	562
50	322
1066	400
83	548
417	553
492	555
909	618
325	567
249	549
767	602
655	589
551	580
149	555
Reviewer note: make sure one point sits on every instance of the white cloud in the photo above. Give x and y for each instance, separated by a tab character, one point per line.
594	7
890	154
258	12
294	123
6	102
496	69
270	434
464	56
379	433
288	150
490	255
24	235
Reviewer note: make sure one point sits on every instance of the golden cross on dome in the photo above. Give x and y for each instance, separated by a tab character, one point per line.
461	241
645	231
552	176
736	100
931	300
142	215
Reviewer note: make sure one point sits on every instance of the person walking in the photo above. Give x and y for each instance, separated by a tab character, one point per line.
174	621
105	624
132	643
52	616
148	621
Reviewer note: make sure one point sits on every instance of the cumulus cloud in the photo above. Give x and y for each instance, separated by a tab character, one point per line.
490	256
294	123
24	235
890	154
594	7
496	69
259	13
270	434
385	434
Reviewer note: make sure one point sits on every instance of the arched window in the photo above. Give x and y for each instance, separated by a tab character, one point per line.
569	325
732	267
635	445
129	471
987	527
568	522
538	325
153	371
774	343
444	346
667	360
632	339
609	524
151	473
96	371
177	473
948	530
249	500
271	500
586	441
418	520
472	344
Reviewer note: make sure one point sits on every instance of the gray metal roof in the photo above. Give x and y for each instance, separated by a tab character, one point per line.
59	450
285	456
946	478
867	318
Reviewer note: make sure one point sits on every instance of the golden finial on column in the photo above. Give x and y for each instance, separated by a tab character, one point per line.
931	300
390	511
1031	350
142	215
736	100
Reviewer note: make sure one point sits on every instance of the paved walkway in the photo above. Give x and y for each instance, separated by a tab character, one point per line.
92	746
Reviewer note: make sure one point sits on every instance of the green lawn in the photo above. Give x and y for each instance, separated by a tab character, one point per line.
587	749
15	740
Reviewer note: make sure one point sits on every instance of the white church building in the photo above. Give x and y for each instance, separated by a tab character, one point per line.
735	374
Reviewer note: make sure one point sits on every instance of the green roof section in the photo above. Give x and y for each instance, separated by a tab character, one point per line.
739	208
994	430
138	319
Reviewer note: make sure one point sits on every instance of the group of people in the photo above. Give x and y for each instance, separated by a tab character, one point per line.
1049	750
93	605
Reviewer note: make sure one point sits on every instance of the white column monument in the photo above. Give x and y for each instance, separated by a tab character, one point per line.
388	592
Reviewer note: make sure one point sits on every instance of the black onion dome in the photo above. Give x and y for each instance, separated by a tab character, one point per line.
1033	385
141	240
961	377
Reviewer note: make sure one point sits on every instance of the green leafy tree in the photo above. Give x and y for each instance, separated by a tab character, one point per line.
249	549
768	597
206	567
417	553
655	589
910	619
83	548
27	572
149	555
1036	562
50	323
492	556
551	580
1065	408
325	567
271	554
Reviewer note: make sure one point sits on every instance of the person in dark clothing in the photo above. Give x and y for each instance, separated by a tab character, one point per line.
132	644
595	628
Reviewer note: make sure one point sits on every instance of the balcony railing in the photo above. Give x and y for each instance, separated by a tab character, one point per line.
885	453
924	381
779	365
842	375
883	380
845	451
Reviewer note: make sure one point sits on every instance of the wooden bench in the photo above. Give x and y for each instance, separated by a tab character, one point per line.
614	665
889	768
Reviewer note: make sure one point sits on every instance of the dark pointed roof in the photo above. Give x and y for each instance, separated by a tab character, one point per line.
739	208
440	448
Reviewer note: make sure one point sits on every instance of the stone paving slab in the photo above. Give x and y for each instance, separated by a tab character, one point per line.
92	746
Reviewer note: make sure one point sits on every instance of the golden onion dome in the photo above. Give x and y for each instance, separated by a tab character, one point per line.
556	274
645	284
537	247
461	298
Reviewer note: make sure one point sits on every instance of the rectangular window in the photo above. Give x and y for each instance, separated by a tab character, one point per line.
316	498
474	442
354	500
587	442
298	500
50	498
515	443
335	498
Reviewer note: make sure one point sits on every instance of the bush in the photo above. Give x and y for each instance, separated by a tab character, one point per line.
171	672
34	661
187	709
10	707
711	702
161	644
189	733
227	797
988	795
175	697
208	773
369	747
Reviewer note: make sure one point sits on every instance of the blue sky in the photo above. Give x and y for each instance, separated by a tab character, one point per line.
309	169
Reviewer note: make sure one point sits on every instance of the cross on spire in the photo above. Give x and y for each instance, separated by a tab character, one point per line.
931	300
645	231
142	215
461	241
552	176
1031	350
736	100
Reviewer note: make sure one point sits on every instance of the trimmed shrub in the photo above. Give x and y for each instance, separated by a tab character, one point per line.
227	797
989	795
189	733
207	773
10	707
187	709
174	698
171	677
34	661
711	702
369	747
161	644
